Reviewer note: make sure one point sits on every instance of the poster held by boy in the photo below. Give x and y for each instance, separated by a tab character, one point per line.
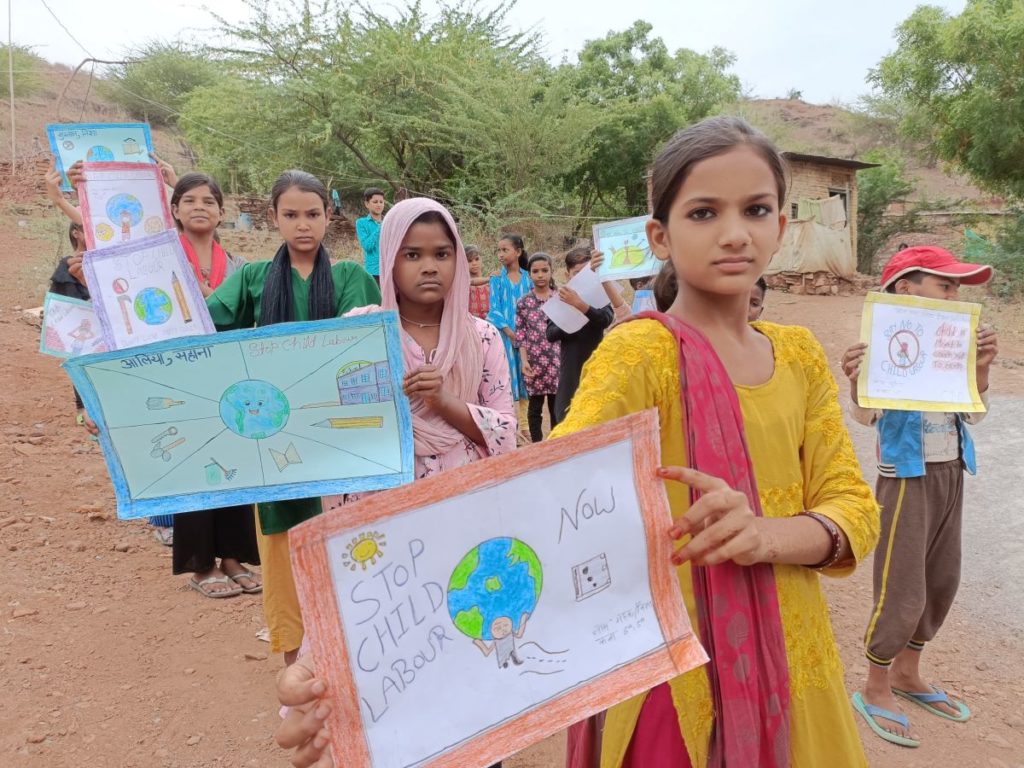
923	451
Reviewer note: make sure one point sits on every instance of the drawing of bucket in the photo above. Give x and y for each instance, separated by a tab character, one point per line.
213	474
131	147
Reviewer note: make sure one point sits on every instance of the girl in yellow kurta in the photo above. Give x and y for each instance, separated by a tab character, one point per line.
717	190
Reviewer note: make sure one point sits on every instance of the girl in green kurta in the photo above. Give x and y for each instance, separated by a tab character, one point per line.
300	283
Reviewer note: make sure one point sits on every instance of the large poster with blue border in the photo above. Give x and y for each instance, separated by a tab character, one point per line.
289	411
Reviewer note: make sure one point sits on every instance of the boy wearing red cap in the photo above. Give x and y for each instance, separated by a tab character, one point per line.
921	459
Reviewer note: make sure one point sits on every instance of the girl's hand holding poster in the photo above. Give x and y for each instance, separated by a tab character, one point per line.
472	625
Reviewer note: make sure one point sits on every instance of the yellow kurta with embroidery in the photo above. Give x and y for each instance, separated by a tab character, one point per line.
803	460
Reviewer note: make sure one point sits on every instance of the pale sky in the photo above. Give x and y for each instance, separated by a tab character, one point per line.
820	48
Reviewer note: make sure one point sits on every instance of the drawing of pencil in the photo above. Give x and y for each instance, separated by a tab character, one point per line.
124	302
180	294
352	422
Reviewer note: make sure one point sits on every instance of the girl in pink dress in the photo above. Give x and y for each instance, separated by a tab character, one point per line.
457	381
540	356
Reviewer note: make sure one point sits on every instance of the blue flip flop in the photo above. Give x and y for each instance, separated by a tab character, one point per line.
869	712
937	696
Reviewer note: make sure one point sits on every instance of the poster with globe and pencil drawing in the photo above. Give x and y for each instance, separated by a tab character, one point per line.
288	411
122	203
479	610
626	250
98	143
145	292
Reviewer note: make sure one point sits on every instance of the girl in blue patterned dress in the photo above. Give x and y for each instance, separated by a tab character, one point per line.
506	290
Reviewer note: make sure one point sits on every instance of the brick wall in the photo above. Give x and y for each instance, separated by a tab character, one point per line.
814	180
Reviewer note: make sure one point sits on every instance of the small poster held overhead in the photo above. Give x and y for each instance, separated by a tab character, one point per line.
626	250
122	203
146	291
456	625
70	328
921	354
98	143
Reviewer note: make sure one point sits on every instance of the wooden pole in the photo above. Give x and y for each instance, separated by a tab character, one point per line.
10	77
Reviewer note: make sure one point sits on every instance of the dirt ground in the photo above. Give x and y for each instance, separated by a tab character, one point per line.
108	660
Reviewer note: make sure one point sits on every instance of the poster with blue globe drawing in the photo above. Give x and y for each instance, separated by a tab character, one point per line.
626	250
481	609
98	143
289	411
122	203
145	291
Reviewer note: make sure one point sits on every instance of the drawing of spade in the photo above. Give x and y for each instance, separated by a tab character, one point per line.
289	457
591	577
229	474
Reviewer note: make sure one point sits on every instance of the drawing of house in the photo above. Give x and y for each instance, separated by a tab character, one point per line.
363	382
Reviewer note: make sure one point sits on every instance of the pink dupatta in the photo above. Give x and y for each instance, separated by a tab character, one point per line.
458	353
737	606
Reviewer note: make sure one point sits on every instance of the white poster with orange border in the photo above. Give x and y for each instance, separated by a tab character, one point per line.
470	614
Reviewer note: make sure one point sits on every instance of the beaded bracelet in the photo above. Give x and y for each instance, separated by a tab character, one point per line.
837	541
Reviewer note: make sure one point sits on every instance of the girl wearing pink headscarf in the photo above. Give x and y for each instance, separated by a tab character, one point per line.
457	376
457	381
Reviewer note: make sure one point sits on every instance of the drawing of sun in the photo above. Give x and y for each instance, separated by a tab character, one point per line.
364	548
104	231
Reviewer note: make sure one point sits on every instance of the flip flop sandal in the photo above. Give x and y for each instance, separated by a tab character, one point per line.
869	712
937	696
246	575
202	587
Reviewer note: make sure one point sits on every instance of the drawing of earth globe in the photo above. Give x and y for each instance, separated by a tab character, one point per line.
153	306
499	578
99	154
254	409
124	203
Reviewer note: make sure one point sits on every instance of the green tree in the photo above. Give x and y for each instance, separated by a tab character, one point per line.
157	81
960	80
641	94
877	189
453	105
